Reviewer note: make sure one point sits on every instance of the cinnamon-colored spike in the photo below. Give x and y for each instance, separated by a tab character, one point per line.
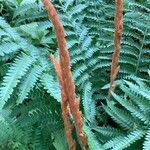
64	106
117	43
66	82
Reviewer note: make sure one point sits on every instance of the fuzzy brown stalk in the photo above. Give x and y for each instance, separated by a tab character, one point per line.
64	106
117	44
69	100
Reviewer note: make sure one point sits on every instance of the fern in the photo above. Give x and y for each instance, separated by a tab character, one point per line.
28	82
88	104
12	78
108	131
94	144
30	114
52	86
8	48
135	102
123	142
147	142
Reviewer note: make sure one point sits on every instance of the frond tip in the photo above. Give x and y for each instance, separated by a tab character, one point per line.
117	43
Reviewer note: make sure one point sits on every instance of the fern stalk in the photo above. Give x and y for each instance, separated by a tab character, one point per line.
64	106
66	81
117	43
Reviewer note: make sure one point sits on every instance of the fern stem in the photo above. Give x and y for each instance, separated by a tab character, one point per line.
66	80
64	106
141	48
117	43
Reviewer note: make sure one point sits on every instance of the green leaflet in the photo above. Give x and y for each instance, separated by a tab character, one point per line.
29	82
88	103
15	73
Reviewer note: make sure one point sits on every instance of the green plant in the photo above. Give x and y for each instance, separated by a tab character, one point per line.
30	110
131	113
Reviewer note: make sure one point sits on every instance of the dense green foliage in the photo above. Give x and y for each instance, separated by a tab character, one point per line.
30	112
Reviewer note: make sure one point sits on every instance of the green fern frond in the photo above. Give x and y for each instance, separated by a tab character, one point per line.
93	143
130	106
51	85
28	82
146	145
88	103
8	48
108	131
123	142
12	78
23	9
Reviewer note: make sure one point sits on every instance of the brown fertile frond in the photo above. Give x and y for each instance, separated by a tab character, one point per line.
69	101
64	106
117	43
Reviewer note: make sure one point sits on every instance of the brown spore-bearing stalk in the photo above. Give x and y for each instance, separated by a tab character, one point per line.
69	103
64	106
117	43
